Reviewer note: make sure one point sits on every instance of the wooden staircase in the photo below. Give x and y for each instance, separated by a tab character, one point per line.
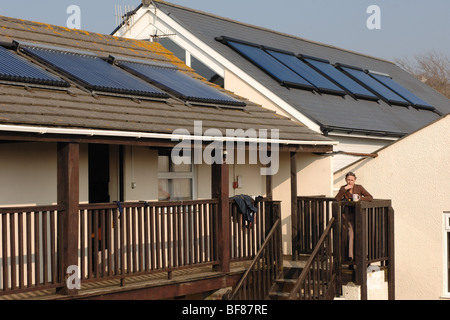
292	270
283	285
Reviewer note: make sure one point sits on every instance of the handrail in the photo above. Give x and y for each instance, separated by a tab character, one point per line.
257	257
310	261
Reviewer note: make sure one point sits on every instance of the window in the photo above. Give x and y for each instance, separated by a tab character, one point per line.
170	45
175	182
206	72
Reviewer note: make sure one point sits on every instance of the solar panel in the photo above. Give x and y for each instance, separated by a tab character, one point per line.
270	65
343	80
93	72
400	90
178	83
18	69
388	95
306	72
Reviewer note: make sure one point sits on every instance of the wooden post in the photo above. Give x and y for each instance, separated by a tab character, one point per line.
269	191
294	218
276	207
360	249
337	246
219	190
391	270
68	198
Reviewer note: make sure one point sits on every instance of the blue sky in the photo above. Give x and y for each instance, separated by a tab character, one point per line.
408	27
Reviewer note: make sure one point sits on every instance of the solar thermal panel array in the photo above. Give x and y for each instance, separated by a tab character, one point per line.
178	83
311	73
273	67
354	88
401	91
93	72
107	75
18	69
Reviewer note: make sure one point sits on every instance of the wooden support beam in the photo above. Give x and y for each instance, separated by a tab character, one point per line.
68	198
361	249
295	237
391	249
220	191
269	183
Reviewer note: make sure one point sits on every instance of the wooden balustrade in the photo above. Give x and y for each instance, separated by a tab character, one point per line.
266	264
319	276
246	239
373	234
313	213
29	259
119	240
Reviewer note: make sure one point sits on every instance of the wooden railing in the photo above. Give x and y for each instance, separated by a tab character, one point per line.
265	267
373	235
120	240
314	213
374	240
246	239
29	259
318	278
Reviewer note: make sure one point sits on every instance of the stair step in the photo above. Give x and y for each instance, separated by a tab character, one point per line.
284	280
275	295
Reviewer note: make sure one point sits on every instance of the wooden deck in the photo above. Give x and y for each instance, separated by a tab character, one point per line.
149	287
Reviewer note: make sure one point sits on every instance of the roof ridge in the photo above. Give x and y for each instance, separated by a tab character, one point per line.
270	30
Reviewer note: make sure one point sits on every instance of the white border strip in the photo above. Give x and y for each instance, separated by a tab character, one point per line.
142	135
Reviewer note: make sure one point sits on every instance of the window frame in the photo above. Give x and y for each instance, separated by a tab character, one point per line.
192	175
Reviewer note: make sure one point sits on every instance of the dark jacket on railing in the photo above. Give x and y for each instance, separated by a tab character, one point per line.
246	206
357	189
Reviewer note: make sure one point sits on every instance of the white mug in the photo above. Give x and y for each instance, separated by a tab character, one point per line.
356	197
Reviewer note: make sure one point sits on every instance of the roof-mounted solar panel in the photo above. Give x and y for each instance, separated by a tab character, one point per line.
359	75
400	90
93	72
305	71
15	68
270	65
354	88
178	83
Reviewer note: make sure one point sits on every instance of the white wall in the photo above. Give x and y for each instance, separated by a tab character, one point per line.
415	173
355	145
28	173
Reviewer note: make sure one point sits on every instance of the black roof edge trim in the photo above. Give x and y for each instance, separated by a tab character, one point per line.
342	65
327	129
304	56
333	92
278	50
290	84
225	39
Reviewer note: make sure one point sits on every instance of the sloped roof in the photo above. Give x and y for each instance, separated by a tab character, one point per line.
79	108
330	112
